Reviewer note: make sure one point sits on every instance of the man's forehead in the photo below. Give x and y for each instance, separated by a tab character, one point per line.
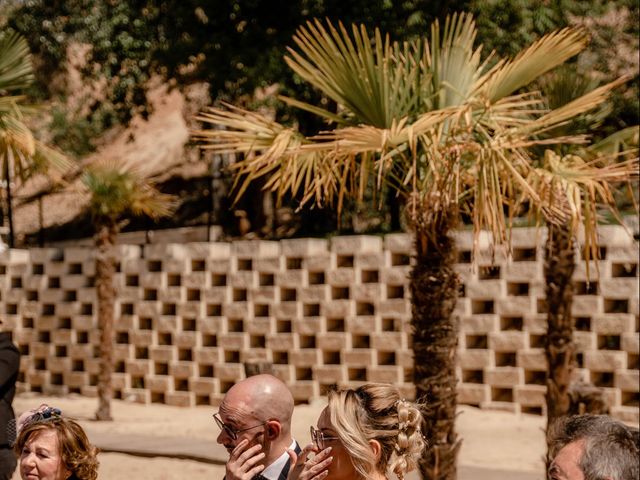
235	412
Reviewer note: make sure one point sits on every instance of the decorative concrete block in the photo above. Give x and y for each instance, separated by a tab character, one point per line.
332	341
530	395
292	278
585	305
367	293
630	343
337	308
619	287
235	310
629	415
522	271
208	355
314	294
303	247
395	275
319	262
204	386
613	323
361	357
219	266
330	373
627	380
533	359
307	326
535	324
508	341
504	376
480	323
483	289
585	341
385	374
287	310
369	261
473	393
182	370
180	399
605	360
304	390
388	341
163	353
628	253
208	250
305	357
398	307
75	379
475	359
138	368
284	342
350	245
233	372
515	305
341	277
255	249
398	242
362	325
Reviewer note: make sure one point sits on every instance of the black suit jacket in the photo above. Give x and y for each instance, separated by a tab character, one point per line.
285	469
9	367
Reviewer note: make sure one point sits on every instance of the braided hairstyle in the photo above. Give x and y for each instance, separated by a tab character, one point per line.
376	411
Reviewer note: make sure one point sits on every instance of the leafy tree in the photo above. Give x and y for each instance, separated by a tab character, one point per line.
430	120
114	191
235	46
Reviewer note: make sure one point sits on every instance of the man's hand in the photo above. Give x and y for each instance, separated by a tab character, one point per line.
243	463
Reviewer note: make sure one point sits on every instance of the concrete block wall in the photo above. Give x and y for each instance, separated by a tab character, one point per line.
322	311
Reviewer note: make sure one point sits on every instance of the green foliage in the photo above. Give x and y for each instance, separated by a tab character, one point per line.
73	135
116	191
235	46
506	26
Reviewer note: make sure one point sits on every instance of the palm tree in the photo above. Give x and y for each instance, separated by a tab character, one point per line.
20	153
578	180
114	191
437	125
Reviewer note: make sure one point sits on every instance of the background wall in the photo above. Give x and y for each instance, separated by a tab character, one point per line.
323	311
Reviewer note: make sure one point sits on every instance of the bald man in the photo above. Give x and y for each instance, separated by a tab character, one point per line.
255	428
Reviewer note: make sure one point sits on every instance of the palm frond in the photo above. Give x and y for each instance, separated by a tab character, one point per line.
548	52
368	77
16	68
116	189
573	189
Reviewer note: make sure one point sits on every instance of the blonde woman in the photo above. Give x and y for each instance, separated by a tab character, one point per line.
365	433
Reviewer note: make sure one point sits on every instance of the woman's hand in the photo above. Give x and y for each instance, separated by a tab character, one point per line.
304	468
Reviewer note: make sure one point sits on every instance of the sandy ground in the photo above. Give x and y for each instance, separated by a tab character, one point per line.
493	440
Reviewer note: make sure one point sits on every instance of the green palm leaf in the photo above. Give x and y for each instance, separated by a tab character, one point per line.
16	69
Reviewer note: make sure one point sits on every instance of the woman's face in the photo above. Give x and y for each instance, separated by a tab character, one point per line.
341	467
40	458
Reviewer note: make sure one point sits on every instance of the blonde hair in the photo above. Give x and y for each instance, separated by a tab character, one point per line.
76	452
377	412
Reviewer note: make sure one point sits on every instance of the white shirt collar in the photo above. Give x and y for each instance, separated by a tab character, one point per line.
272	472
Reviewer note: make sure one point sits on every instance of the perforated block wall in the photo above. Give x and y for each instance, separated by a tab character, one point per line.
323	312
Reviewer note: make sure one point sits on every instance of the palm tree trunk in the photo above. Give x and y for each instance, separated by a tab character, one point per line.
559	347
434	290
105	271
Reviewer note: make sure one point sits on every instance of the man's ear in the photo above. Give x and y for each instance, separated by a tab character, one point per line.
376	448
273	429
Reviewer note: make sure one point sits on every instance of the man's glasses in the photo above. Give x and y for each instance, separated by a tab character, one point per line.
320	438
229	430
